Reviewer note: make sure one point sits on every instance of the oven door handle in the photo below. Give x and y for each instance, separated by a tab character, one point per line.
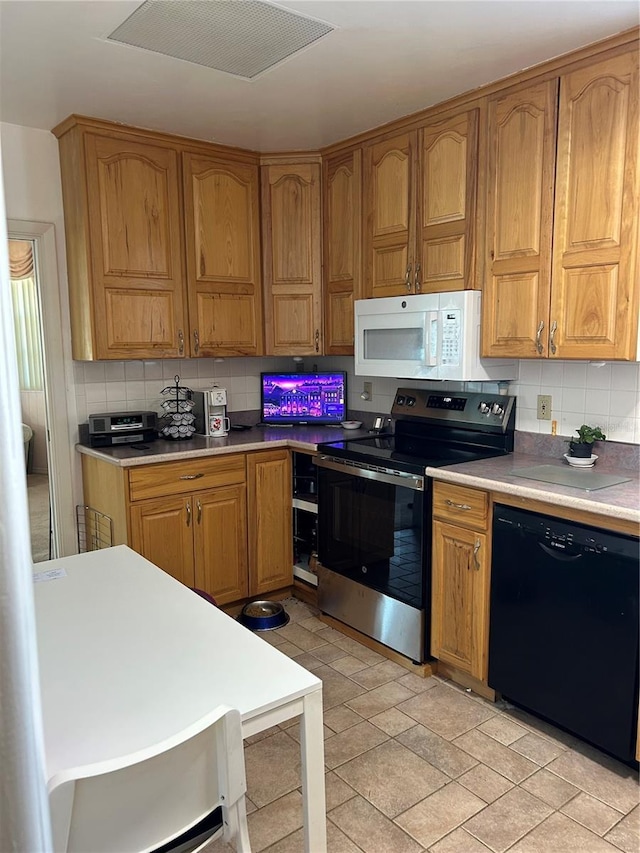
354	469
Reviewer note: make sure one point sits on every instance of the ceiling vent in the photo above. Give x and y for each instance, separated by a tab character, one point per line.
241	37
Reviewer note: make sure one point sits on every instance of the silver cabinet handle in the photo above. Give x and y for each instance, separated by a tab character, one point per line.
457	506
407	279
188	509
191	476
196	342
552	339
317	340
539	346
476	548
180	342
199	505
418	286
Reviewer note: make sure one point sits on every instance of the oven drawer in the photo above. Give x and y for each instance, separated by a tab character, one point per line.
460	505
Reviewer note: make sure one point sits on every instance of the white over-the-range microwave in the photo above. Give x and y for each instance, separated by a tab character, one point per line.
425	336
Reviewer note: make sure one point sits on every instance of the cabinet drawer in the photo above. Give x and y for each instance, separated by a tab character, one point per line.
460	505
172	478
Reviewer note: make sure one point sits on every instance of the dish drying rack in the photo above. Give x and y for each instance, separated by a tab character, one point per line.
178	422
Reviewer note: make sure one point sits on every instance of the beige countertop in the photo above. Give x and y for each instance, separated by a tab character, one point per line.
240	441
619	501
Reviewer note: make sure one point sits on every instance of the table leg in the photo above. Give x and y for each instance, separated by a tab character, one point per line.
313	794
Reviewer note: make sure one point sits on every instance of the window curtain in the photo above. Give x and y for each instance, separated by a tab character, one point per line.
26	315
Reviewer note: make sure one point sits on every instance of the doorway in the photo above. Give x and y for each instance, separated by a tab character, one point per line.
25	289
49	454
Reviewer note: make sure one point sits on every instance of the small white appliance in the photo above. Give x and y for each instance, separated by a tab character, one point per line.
211	412
425	336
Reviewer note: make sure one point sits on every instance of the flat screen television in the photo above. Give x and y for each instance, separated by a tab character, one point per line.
304	398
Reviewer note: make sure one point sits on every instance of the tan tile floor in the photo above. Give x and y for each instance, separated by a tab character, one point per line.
421	765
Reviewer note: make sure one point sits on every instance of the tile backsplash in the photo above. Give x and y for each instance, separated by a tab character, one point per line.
605	395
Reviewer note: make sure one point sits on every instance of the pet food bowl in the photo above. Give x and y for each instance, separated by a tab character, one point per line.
263	615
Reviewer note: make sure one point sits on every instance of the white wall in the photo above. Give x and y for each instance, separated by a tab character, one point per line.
34	415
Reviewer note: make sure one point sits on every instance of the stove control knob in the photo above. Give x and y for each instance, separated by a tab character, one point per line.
497	409
411	401
400	400
485	408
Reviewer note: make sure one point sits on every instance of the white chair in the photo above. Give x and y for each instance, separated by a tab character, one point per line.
157	799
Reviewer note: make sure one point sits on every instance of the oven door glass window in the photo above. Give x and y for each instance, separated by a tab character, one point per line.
372	532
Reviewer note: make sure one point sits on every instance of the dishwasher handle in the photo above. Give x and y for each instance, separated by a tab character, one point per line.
558	555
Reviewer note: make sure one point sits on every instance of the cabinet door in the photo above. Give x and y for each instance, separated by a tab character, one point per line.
293	262
460	585
522	137
447	205
389	224
594	301
135	225
270	529
162	531
343	224
220	530
222	229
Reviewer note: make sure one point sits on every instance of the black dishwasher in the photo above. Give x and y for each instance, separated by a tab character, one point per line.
564	625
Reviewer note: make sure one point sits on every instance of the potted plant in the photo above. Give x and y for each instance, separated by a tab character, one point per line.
582	446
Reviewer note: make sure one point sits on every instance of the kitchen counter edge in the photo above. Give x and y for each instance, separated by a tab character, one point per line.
495	476
200	446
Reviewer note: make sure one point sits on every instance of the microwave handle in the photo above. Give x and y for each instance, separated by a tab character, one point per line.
431	355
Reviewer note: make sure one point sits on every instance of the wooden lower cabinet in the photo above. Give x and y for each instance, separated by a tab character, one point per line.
460	578
218	523
220	540
161	532
270	523
199	539
460	588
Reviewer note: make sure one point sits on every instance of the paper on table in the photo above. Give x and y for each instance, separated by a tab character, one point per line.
49	575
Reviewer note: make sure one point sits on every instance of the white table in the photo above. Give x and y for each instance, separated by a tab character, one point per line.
128	656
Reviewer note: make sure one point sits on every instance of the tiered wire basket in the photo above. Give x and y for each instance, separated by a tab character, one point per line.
178	422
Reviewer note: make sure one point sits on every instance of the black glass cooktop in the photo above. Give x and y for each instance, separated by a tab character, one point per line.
402	453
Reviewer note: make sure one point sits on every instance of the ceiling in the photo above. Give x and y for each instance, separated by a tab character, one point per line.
383	60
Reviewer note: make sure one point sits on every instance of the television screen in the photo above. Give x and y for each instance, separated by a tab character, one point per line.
304	398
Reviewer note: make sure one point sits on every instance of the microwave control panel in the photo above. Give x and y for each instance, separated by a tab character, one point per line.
451	337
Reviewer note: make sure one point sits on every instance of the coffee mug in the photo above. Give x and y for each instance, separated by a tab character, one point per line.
218	426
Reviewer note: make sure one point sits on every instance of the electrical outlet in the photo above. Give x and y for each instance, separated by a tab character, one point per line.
544	407
367	388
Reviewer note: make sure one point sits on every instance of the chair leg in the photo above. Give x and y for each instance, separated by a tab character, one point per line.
236	828
242	842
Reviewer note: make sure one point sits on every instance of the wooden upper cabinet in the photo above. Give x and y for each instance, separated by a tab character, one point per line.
594	299
222	227
562	269
522	143
389	221
124	245
447	205
292	258
420	197
342	249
